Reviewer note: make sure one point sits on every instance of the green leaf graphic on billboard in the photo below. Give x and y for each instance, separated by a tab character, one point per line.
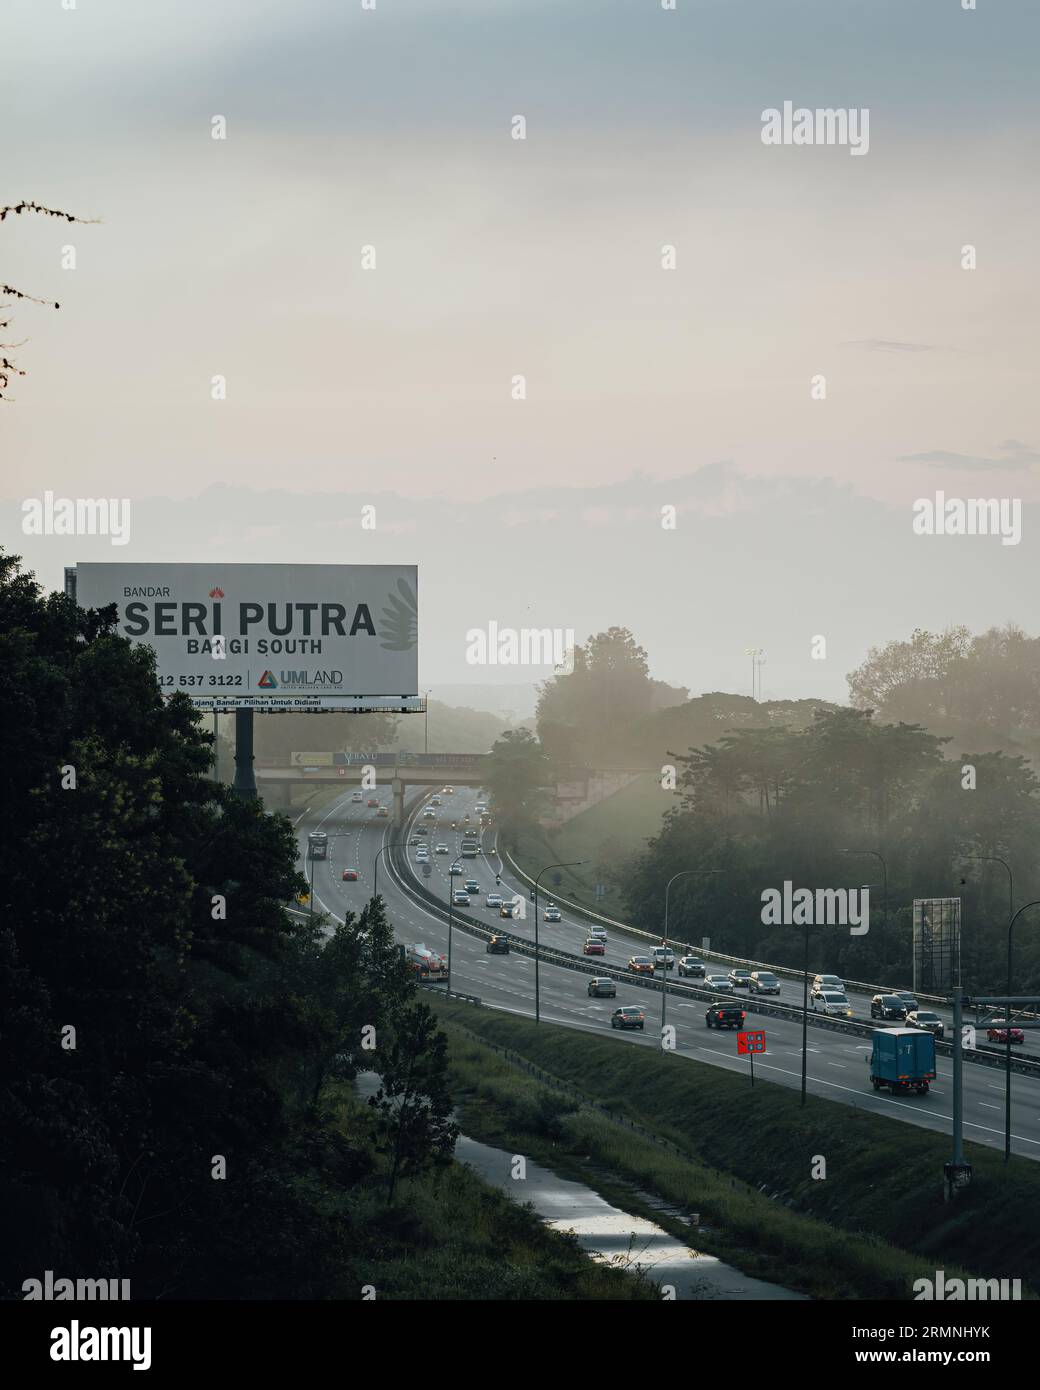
400	619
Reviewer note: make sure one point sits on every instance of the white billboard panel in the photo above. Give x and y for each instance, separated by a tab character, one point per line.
269	637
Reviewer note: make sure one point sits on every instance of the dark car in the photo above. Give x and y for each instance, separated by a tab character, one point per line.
602	989
927	1019
691	966
740	979
724	1016
630	1016
888	1006
497	946
908	998
998	1032
764	982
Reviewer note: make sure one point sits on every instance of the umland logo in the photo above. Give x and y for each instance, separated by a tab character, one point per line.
267	681
822	907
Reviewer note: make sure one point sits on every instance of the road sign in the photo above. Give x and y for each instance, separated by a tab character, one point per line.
301	638
748	1044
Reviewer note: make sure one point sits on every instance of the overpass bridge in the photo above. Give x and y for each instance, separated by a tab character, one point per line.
275	781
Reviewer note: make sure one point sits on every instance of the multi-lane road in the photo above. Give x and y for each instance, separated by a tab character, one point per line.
837	1062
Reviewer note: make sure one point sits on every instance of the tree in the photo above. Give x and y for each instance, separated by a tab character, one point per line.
590	715
517	771
8	367
413	1103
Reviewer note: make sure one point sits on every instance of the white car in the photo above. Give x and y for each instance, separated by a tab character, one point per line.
833	1003
598	933
551	914
823	982
460	899
493	900
357	796
441	849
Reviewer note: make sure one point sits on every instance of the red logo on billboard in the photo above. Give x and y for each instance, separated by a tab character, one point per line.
216	593
751	1042
267	681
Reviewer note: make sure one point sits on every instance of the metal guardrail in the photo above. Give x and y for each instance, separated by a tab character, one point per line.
784	970
564	960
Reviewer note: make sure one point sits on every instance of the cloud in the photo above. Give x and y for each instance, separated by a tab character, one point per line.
891	345
1017	456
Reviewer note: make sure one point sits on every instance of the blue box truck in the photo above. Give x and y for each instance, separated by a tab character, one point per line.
903	1059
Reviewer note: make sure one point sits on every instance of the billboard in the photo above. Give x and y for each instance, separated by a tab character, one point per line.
937	944
294	638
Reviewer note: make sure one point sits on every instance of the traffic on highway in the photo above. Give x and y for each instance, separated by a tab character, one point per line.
838	1063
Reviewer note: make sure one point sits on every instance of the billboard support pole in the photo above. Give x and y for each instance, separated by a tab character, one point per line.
245	776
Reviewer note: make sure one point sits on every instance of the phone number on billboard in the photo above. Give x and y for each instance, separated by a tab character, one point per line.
200	680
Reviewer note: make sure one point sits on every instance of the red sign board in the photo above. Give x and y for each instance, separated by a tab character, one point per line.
751	1042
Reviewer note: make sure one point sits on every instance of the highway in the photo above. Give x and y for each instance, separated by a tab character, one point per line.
837	1066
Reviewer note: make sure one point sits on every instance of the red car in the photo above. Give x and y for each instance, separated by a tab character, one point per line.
350	875
640	965
999	1035
594	948
373	801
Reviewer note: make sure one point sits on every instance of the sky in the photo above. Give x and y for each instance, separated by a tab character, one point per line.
495	258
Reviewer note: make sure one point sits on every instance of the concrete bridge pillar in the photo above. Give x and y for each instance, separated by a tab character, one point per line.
398	790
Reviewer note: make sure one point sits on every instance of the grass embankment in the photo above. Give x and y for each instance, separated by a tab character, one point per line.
625	820
868	1229
449	1235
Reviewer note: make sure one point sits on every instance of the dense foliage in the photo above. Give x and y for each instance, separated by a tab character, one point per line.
169	1029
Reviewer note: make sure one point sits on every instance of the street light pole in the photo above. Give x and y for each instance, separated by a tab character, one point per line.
667	888
995	859
451	922
1007	1037
805	1011
426	723
884	873
375	869
574	863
